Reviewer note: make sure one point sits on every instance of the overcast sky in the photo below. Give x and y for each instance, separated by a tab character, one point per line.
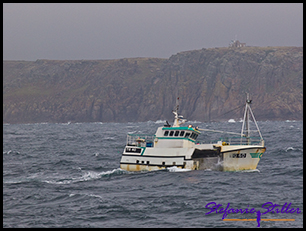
112	31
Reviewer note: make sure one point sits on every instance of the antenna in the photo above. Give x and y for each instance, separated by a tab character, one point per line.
177	104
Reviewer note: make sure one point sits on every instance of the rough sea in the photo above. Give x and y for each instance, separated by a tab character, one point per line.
68	175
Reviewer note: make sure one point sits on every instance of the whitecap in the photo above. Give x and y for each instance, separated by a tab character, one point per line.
194	122
290	148
250	170
97	122
11	152
85	194
176	169
231	121
109	138
13	181
57	182
93	195
90	175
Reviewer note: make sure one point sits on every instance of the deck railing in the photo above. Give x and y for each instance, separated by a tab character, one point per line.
241	141
140	140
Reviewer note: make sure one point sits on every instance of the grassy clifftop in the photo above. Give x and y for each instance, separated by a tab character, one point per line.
210	82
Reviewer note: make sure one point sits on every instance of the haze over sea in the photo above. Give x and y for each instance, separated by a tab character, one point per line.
68	175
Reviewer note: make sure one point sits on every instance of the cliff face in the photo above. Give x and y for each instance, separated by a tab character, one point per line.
212	82
209	82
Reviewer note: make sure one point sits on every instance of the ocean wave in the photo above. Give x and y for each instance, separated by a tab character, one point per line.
160	121
109	138
13	181
87	176
84	194
288	149
193	122
97	122
10	152
35	177
176	169
250	170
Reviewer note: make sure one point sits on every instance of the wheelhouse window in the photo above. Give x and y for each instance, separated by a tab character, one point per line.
194	136
184	134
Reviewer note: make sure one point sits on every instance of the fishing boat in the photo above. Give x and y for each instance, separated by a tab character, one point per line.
177	146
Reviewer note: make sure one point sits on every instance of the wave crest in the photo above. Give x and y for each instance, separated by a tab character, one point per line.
90	175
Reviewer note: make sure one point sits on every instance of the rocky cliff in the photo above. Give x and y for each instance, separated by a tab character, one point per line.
210	84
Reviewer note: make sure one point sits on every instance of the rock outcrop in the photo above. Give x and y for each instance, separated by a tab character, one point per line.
210	84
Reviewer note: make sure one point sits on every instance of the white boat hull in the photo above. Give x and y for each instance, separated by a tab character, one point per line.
226	158
246	158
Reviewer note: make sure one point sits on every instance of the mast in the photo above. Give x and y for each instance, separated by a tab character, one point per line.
246	121
175	112
178	119
248	102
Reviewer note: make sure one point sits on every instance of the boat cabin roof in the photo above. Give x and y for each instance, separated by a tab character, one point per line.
187	132
189	128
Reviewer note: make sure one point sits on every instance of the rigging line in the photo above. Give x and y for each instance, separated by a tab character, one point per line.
231	110
209	130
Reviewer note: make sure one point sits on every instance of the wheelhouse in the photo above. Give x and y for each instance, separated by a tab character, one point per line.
180	132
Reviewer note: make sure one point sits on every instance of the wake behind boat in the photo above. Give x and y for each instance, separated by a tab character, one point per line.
176	145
